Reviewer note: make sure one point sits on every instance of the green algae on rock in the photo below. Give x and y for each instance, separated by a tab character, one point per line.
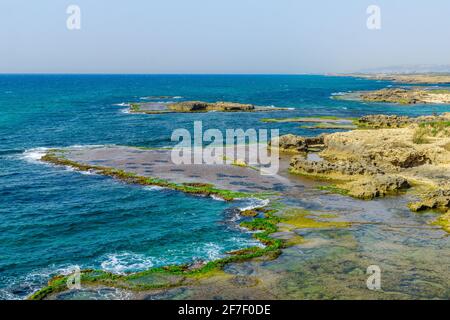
192	188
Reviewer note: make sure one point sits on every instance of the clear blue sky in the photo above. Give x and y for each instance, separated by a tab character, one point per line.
220	36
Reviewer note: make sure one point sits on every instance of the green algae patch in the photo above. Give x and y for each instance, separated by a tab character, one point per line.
177	275
324	119
249	213
301	219
443	221
334	189
326	125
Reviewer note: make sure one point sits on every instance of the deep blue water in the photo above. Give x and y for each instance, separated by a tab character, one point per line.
52	219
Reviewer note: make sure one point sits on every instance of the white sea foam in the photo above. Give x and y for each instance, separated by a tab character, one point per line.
88	173
32	281
126	111
128	262
217	198
211	250
34	155
254	203
244	243
154	188
123	104
340	93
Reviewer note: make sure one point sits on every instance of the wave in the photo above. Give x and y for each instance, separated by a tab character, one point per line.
124	262
254	203
34	155
154	188
217	198
17	288
211	250
160	97
123	104
340	93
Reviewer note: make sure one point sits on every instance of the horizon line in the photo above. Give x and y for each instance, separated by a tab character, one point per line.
167	74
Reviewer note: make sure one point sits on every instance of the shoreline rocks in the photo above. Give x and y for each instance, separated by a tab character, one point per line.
406	96
438	199
295	144
374	163
379	121
196	106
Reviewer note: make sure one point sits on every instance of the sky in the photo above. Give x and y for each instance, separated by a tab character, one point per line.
221	36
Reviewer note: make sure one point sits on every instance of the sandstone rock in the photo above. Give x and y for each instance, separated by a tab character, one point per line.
301	165
297	144
384	121
200	106
377	186
230	106
407	96
189	106
378	121
439	199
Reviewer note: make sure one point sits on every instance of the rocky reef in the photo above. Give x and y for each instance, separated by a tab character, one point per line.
402	96
407	96
196	106
368	163
378	121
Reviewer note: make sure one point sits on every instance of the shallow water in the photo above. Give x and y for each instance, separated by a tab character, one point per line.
52	219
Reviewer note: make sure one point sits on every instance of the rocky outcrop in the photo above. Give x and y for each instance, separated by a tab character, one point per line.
300	164
189	106
384	121
377	186
406	96
379	121
386	149
200	106
296	144
413	78
439	199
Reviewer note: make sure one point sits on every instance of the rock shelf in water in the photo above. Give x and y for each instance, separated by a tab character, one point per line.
197	106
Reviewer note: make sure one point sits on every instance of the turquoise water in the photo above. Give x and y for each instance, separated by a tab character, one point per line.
52	219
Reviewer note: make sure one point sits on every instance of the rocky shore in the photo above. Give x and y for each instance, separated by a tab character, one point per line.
401	96
416	78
